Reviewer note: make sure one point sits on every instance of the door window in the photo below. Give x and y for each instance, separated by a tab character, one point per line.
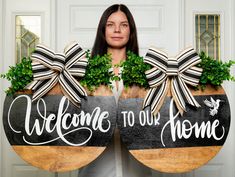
28	35
207	34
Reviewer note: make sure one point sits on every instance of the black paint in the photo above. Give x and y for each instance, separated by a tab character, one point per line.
52	102
149	137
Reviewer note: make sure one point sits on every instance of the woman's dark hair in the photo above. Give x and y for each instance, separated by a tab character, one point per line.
100	46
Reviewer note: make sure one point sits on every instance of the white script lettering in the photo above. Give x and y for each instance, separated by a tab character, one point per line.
179	129
64	121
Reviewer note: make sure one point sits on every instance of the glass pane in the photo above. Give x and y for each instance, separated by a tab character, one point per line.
28	35
207	30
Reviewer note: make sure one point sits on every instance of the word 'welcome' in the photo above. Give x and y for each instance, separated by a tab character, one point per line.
42	124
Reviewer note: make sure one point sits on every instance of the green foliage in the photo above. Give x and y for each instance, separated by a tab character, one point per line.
19	75
133	72
214	71
97	72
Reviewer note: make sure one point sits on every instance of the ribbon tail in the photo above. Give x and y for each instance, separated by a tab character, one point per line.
31	85
77	104
177	95
155	97
188	95
182	95
72	87
43	87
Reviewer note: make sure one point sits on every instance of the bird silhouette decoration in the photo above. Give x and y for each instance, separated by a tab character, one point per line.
214	105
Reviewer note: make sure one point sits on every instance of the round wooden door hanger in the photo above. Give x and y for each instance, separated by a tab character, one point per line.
53	134
170	142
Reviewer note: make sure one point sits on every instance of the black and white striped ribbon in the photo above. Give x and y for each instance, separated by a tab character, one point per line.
173	73
49	68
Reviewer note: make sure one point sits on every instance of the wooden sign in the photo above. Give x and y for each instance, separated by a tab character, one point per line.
170	142
53	134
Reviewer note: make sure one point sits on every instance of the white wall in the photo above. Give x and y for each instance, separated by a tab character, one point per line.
233	72
1	83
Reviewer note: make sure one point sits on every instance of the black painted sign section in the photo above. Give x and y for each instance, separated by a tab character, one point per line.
205	126
54	121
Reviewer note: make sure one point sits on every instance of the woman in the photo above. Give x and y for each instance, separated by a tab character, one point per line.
128	27
116	34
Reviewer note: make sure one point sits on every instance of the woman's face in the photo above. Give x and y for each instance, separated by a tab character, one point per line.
117	30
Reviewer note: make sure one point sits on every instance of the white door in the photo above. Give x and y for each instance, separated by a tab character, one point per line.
1	85
166	24
223	163
10	164
78	20
170	26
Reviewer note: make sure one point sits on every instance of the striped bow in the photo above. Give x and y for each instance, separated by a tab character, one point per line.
49	68
173	73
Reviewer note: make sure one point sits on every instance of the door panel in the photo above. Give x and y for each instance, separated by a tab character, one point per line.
222	164
80	20
1	85
12	165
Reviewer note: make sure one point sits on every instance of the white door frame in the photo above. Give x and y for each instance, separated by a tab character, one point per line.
1	83
48	14
232	2
10	163
227	52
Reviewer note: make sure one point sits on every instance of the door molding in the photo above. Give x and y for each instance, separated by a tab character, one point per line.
232	55
53	21
1	83
181	24
10	164
224	159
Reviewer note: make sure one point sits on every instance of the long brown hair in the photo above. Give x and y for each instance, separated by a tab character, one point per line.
100	46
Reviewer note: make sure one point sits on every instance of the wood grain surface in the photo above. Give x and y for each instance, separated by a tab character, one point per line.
56	90
58	158
61	158
138	92
171	160
100	91
176	160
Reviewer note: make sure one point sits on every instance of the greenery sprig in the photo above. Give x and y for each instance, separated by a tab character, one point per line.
133	72
97	71
19	76
214	71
